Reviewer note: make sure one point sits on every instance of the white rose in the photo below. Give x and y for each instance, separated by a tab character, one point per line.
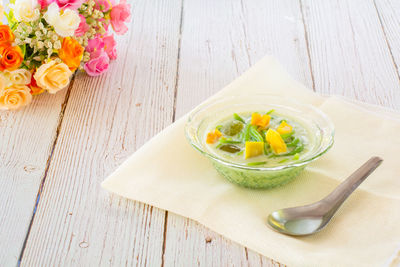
18	76
1	10
64	24
26	10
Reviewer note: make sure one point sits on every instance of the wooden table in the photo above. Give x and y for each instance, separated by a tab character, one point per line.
55	153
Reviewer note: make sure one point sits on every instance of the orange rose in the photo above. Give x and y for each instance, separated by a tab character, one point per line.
71	53
35	89
6	35
11	57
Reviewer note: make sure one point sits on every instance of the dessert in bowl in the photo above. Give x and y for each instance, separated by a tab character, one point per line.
259	141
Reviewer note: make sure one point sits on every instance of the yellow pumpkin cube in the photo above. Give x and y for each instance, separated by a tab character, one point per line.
213	137
284	128
253	149
276	142
260	120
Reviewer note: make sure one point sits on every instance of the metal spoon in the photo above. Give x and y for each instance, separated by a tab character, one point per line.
309	219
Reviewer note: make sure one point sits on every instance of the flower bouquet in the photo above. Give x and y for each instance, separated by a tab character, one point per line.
46	41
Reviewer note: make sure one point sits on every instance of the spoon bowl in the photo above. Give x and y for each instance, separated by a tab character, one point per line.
309	219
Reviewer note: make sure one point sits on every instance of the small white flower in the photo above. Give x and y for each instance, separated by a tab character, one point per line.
40	45
64	24
57	44
26	10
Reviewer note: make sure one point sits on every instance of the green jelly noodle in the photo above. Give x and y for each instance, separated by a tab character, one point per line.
259	139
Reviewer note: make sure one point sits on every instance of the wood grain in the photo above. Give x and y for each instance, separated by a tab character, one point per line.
389	16
220	40
26	141
348	51
106	119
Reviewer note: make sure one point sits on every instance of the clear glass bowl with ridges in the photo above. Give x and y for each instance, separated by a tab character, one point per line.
257	177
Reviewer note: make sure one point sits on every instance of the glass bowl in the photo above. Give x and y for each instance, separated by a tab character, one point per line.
208	114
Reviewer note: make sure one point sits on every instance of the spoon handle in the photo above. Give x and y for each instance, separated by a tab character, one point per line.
335	199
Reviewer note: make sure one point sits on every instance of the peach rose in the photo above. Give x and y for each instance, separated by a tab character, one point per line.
14	97
53	76
71	53
3	82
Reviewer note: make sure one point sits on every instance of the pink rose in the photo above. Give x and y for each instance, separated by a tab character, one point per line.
97	65
103	5
82	28
110	46
44	3
71	4
105	24
120	14
96	44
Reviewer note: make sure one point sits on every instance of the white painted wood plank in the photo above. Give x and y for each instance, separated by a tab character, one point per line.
191	244
26	140
220	40
106	119
349	54
389	14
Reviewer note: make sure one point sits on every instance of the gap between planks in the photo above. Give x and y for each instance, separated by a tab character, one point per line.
173	120
60	119
386	39
307	44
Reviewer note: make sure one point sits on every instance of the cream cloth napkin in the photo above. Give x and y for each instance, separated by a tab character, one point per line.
168	173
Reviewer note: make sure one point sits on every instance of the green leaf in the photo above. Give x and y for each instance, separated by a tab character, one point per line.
23	48
255	135
224	140
10	18
256	163
246	134
285	136
237	117
293	143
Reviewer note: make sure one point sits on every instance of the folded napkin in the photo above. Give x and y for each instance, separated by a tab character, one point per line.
168	173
